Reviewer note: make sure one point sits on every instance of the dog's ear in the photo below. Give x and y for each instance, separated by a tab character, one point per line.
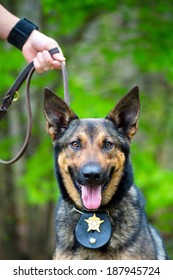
126	113
58	114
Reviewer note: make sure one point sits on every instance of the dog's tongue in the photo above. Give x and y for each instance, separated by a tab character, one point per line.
91	197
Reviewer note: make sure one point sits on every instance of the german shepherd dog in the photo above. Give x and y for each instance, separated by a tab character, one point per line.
100	215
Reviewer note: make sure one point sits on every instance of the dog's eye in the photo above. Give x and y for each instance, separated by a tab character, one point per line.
108	145
75	144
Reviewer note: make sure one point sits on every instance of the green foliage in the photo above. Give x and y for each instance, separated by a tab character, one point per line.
71	14
11	61
38	180
153	179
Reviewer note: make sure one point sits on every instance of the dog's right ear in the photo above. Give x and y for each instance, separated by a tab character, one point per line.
58	114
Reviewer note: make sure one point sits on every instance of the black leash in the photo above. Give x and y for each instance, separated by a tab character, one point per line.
7	100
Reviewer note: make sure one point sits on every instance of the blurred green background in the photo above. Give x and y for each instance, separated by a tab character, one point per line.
110	46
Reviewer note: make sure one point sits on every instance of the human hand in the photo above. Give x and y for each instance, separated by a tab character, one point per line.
36	49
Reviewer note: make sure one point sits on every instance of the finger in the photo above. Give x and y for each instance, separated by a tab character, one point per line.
57	64
47	59
47	62
44	60
51	62
37	65
59	57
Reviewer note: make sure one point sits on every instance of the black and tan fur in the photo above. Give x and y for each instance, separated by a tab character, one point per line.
94	152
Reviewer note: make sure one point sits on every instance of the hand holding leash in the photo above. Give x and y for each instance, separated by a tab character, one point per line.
9	97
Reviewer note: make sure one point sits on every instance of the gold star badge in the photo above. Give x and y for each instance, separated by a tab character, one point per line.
94	223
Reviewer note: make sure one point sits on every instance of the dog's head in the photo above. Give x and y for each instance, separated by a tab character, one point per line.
91	153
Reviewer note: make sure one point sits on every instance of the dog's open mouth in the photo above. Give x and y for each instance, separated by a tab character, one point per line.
91	195
91	191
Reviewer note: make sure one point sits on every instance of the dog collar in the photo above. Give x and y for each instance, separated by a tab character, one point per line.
93	230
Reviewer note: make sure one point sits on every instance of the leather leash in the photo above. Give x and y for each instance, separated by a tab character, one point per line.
26	74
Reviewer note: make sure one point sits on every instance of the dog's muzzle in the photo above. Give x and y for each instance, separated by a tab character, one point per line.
92	174
91	180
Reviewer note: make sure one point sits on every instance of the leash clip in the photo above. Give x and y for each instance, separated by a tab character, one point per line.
16	96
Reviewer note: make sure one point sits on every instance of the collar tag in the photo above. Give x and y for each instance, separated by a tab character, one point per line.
93	230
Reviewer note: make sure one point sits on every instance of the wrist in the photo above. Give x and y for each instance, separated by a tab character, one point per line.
21	32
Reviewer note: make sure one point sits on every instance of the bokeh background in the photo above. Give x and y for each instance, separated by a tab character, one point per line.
110	46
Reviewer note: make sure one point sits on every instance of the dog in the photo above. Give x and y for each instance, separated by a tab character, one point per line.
101	213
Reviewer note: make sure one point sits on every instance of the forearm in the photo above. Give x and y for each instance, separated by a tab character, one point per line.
34	45
7	22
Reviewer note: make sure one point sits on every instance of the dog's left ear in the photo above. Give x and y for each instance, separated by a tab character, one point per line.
58	114
126	113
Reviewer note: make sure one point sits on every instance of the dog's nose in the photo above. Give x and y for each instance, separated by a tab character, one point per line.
92	174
